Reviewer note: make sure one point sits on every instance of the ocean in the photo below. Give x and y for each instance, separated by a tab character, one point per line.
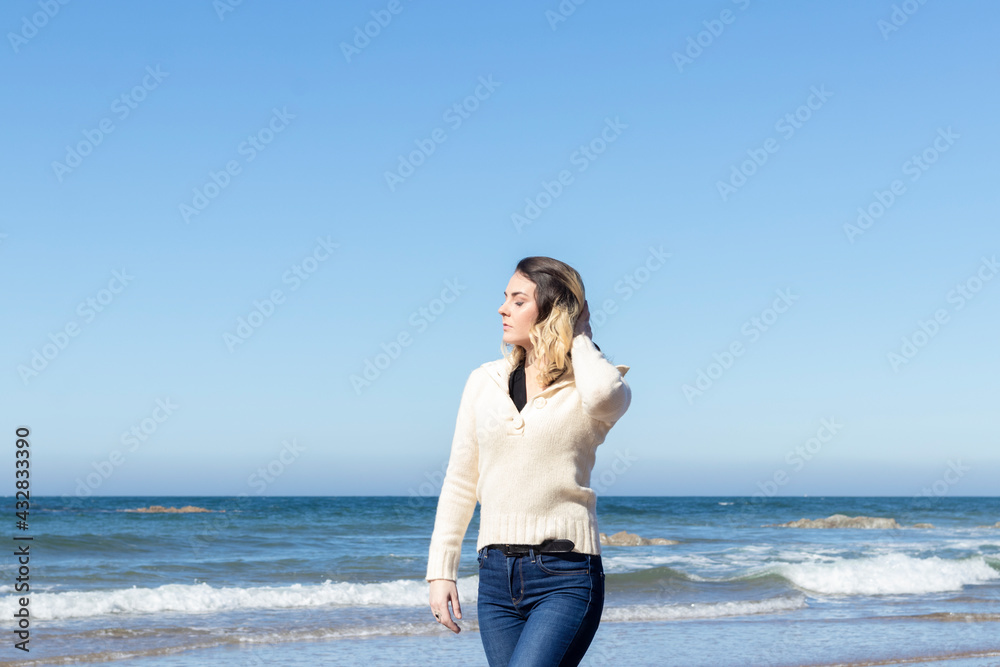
339	581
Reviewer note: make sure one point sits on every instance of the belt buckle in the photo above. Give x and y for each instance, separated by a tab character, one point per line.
556	545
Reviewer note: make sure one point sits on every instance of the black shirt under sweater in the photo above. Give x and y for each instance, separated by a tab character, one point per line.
518	389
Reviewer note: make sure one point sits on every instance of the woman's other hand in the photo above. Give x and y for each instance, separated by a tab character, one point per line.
444	591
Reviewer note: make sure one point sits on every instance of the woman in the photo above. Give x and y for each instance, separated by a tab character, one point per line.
527	432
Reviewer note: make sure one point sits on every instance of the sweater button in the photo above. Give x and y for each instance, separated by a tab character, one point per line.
518	422
540	402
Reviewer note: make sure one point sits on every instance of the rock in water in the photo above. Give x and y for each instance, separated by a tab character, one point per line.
840	521
625	539
157	509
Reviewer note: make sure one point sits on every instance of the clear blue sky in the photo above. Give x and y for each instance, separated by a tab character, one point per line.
203	154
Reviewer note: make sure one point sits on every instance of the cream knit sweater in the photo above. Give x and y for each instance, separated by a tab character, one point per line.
530	471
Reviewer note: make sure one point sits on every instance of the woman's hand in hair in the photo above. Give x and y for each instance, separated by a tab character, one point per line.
583	322
444	591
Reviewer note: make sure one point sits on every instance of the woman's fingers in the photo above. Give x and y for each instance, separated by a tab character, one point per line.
444	591
583	322
444	618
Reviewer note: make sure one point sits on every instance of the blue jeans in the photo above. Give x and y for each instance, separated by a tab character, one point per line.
538	609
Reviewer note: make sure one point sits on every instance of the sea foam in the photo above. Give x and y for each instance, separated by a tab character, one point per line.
652	612
200	598
888	574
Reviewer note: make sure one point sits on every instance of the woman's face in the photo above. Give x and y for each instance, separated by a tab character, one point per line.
519	311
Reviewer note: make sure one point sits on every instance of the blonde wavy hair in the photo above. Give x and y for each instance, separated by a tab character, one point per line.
559	294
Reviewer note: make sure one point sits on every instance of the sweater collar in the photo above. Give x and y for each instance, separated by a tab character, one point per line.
499	371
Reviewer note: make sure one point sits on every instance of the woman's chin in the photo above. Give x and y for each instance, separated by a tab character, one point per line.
511	340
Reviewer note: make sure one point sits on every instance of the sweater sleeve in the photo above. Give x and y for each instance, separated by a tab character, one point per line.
457	500
603	390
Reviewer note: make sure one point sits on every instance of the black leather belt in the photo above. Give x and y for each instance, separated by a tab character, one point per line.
548	546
